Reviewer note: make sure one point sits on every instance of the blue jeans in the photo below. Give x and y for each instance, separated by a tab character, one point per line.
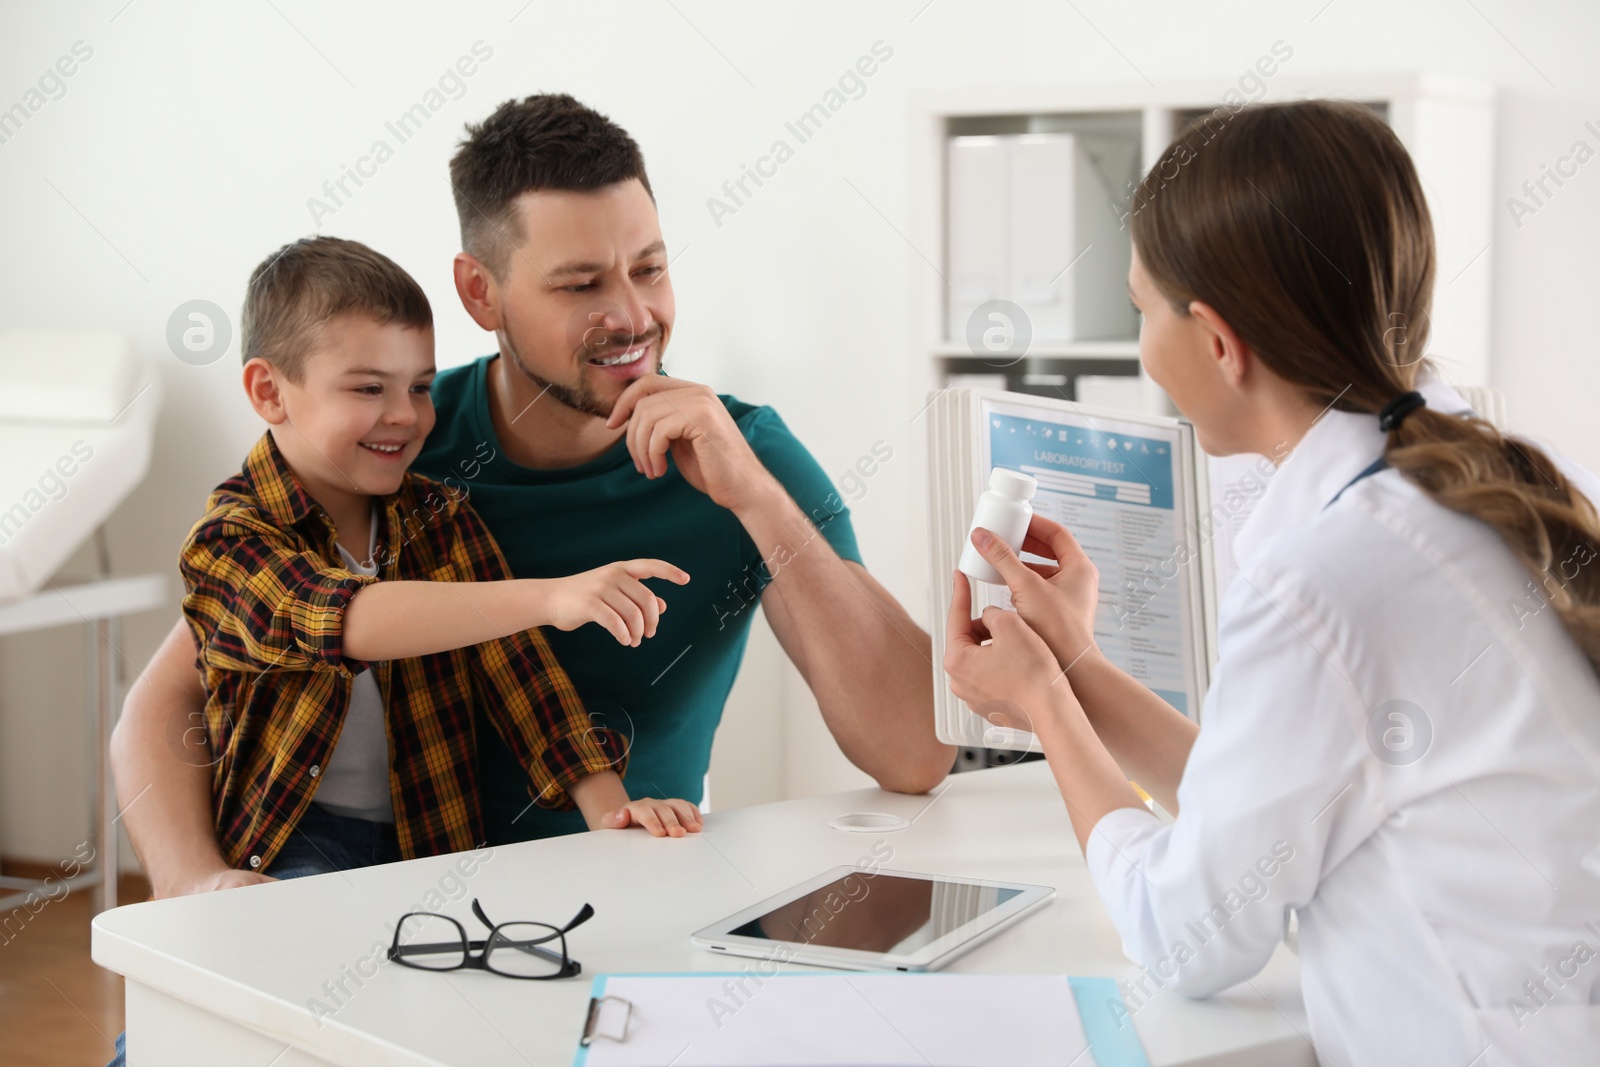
321	843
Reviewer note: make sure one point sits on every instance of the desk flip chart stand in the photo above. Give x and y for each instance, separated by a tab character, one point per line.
1133	488
720	1019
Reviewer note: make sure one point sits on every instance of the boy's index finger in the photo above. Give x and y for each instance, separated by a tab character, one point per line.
656	568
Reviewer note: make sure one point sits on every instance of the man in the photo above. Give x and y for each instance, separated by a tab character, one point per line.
577	449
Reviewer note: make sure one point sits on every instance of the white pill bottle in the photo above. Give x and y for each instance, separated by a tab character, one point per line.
1005	512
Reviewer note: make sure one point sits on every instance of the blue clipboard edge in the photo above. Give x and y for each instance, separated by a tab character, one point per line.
1112	1045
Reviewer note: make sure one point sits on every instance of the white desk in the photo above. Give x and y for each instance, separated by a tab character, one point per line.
226	977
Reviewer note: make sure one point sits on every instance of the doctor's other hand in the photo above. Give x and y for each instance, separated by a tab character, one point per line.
997	664
1056	599
663	818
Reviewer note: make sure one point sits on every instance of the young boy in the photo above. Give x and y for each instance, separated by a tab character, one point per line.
350	616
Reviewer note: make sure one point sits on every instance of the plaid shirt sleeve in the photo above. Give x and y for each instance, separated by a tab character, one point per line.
534	706
527	695
257	604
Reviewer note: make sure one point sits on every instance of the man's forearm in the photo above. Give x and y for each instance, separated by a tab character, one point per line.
167	807
161	761
867	662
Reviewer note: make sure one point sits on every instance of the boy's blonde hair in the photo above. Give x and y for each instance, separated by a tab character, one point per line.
303	285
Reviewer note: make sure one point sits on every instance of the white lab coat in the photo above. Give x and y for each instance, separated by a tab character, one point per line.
1444	866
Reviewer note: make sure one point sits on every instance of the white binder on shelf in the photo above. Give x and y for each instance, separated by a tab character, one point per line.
1069	253
978	234
1131	487
1031	220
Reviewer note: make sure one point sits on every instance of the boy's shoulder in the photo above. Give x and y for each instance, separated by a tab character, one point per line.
419	490
436	532
427	503
263	496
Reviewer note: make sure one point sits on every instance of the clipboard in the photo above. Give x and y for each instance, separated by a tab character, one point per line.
754	1019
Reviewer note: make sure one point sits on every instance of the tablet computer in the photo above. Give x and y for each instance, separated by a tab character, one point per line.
868	919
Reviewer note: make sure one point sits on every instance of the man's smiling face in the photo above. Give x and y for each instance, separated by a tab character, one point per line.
585	302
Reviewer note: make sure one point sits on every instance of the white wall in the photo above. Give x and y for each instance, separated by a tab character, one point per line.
186	147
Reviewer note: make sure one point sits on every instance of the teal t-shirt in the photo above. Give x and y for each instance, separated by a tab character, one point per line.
666	695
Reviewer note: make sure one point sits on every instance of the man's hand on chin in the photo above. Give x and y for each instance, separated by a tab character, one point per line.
666	414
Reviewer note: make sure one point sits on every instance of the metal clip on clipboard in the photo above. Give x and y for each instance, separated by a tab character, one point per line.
590	1031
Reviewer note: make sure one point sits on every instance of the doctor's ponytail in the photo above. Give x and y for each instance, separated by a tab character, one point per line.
1304	225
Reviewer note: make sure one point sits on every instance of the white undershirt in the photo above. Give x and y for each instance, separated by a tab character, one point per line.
355	780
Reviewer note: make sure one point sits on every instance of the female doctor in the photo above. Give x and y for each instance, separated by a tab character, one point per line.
1401	742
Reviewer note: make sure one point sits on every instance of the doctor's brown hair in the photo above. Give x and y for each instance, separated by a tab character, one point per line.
1304	226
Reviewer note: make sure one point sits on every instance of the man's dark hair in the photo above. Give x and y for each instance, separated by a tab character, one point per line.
295	291
550	141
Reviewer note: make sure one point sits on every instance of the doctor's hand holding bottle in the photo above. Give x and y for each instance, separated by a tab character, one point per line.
1057	600
1041	671
1012	676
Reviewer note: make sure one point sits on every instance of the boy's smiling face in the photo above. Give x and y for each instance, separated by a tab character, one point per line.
357	419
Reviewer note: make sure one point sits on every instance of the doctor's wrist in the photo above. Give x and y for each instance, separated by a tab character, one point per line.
1054	709
1078	656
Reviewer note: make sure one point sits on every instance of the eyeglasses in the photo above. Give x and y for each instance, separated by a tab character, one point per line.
432	942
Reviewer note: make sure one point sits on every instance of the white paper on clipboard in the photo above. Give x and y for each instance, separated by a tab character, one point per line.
824	1020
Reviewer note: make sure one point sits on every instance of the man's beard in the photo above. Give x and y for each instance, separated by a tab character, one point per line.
580	397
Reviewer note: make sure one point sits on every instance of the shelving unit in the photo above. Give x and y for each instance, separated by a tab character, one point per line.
1447	124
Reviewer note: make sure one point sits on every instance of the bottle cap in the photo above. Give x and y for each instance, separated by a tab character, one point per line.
1014	484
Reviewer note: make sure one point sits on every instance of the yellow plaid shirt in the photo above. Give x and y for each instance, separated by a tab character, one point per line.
265	599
